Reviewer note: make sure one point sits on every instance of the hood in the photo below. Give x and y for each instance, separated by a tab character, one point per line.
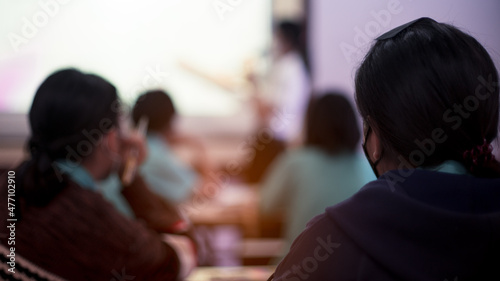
427	226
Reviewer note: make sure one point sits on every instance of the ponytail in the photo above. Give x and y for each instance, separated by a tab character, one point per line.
38	182
481	162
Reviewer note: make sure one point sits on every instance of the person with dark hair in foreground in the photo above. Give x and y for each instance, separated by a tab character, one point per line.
64	226
428	94
327	170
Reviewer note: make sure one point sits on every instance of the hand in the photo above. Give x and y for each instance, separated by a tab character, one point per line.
264	111
134	145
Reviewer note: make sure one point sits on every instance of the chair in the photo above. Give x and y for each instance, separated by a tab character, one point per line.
24	269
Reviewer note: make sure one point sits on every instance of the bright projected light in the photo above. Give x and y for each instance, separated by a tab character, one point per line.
137	45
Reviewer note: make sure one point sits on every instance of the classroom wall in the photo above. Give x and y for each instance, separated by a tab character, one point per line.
341	31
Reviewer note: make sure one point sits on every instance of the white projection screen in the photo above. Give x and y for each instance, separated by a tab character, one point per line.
136	44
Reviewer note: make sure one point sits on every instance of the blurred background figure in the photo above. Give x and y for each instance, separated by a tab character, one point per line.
280	98
325	171
169	181
164	172
285	92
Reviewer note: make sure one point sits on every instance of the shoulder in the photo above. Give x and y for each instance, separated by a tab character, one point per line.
81	225
321	252
325	250
295	160
292	60
157	147
305	154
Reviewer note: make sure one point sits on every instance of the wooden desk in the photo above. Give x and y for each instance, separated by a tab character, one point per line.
243	273
235	204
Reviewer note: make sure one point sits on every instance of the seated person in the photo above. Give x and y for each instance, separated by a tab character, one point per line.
165	174
63	225
429	97
326	170
169	181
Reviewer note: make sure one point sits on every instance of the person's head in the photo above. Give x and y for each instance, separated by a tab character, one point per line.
158	108
428	93
288	36
331	124
73	117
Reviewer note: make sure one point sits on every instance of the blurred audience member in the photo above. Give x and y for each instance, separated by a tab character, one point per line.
170	180
162	170
281	99
63	225
327	170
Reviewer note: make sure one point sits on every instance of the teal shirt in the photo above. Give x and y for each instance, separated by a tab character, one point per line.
77	173
449	166
302	183
111	189
163	173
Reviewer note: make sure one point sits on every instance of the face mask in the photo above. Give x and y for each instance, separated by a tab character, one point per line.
372	164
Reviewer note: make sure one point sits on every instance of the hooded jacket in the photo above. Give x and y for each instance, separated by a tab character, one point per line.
427	226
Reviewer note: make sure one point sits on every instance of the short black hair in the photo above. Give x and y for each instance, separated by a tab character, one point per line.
291	32
409	85
158	107
331	123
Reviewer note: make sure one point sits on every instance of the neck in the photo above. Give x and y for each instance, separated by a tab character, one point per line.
92	170
97	168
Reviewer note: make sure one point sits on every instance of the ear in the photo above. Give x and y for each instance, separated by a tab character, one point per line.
374	146
111	143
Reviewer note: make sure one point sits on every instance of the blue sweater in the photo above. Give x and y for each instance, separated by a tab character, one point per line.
427	226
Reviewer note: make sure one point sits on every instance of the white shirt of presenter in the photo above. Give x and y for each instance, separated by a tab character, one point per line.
288	93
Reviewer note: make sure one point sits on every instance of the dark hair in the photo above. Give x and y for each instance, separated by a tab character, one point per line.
68	108
331	124
291	32
416	87
158	107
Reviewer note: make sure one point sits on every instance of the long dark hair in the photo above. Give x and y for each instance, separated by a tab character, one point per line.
68	108
331	124
431	93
